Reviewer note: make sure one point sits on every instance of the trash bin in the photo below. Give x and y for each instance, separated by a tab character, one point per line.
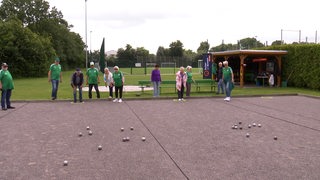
284	84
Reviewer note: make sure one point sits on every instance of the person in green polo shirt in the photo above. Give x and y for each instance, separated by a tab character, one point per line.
6	85
93	80
228	80
118	80
55	76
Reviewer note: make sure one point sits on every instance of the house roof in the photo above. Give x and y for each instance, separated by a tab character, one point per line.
249	52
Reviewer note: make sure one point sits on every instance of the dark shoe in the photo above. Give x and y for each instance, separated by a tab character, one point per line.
11	107
4	109
53	98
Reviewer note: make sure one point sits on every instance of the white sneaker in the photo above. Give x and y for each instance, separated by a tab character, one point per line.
183	99
228	99
225	99
110	97
120	100
115	100
179	99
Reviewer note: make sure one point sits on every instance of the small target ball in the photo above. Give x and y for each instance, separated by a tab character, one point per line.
65	163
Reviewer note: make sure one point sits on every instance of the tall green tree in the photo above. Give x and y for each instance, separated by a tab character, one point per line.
176	49
203	48
27	53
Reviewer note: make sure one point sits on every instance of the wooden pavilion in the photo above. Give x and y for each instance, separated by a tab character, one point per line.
252	65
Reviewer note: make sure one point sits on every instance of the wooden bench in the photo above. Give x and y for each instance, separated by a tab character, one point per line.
168	84
205	83
143	84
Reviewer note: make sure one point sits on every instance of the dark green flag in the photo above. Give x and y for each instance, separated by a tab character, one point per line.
102	58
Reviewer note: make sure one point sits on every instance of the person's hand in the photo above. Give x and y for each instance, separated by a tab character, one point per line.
49	80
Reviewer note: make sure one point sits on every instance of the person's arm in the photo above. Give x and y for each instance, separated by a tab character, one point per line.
49	76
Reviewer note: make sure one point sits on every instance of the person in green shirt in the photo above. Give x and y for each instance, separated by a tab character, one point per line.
6	86
189	80
55	76
228	80
93	80
118	80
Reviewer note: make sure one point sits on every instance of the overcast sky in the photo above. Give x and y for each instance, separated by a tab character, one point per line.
154	23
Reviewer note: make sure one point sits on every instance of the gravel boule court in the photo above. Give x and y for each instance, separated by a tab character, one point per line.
183	140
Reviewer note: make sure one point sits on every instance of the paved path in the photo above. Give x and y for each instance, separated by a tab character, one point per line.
184	140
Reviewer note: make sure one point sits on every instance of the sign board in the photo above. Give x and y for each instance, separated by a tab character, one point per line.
207	66
138	64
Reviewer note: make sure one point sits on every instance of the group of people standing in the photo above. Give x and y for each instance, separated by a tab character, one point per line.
183	81
115	79
225	79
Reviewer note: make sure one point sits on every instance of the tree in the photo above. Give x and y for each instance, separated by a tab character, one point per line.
176	49
277	42
49	23
28	54
203	48
250	43
126	57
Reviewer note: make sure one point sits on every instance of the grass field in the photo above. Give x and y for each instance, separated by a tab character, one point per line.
40	88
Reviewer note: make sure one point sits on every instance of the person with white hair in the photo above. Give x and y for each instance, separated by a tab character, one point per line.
189	80
228	80
181	82
92	79
108	81
118	80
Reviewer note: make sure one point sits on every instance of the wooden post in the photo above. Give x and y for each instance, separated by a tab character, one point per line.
242	57
279	70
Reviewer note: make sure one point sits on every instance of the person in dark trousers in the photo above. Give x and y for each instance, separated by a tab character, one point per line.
118	80
93	80
6	86
219	79
77	83
181	83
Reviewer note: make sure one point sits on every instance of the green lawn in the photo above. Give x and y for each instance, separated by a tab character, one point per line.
40	88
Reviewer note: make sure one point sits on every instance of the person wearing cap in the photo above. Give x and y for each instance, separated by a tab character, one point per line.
118	80
93	80
76	83
6	85
55	76
108	81
228	80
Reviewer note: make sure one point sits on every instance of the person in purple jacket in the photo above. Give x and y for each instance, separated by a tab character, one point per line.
156	80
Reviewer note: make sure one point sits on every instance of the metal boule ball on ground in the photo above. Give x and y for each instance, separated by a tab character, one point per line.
88	128
259	125
65	163
275	138
247	135
131	128
121	129
80	134
90	133
143	138
99	147
124	139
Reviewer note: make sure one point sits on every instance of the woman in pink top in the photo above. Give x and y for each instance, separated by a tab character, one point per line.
181	82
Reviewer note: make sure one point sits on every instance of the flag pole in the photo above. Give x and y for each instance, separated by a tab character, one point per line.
86	45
